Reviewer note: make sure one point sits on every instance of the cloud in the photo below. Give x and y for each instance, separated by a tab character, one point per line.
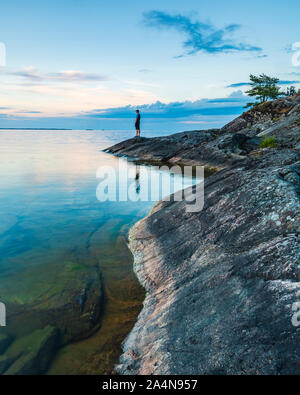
145	71
67	93
200	37
206	113
66	99
231	105
29	112
140	83
198	122
238	85
33	74
281	82
288	82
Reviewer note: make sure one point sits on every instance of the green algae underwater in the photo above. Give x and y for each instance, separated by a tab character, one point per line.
66	273
122	302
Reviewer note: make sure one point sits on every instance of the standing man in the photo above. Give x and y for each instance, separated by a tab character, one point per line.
138	124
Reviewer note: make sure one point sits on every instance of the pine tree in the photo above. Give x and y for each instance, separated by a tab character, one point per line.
263	88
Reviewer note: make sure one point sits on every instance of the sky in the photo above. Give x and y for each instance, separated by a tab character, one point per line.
90	63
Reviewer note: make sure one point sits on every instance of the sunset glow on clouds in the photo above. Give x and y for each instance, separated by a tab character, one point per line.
65	93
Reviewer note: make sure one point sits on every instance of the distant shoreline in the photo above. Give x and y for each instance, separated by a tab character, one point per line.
34	129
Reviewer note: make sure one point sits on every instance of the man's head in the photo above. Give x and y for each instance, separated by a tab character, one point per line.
137	111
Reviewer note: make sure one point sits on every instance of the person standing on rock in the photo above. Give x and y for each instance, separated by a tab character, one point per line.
138	124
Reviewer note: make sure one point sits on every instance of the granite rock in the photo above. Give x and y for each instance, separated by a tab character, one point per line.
223	284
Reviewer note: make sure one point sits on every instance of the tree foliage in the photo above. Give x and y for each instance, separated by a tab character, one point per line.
263	88
291	91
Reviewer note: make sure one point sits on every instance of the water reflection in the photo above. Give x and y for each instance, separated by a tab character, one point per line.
137	180
64	261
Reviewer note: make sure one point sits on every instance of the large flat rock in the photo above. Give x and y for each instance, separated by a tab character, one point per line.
186	148
221	283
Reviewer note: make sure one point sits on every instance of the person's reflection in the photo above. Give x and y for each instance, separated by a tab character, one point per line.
137	180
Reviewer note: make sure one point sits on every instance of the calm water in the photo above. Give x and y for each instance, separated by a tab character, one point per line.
53	229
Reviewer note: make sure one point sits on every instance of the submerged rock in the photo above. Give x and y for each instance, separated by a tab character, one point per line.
65	295
5	341
31	354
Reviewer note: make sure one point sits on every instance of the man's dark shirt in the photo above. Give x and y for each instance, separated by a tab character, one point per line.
137	121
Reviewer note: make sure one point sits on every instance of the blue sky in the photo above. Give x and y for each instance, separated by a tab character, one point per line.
89	64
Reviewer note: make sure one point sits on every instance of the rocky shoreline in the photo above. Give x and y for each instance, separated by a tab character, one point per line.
222	284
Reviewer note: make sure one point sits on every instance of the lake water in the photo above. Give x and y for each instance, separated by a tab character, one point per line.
59	245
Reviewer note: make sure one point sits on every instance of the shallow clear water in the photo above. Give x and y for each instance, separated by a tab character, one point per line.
52	223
